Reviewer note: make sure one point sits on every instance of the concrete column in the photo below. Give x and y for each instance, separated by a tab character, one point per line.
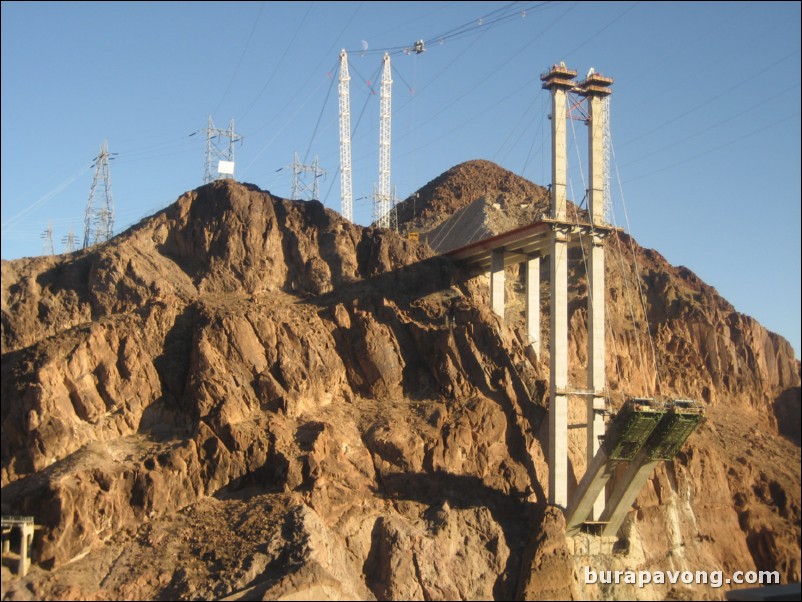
26	537
558	80
559	161
595	158
497	282
596	353
625	492
558	352
533	303
595	88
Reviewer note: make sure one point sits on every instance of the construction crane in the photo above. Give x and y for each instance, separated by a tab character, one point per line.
346	192
381	203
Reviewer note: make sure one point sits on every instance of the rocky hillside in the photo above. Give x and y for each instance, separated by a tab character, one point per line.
245	397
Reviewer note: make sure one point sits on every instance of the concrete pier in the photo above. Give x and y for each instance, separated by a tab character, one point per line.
25	526
497	282
595	88
532	268
558	80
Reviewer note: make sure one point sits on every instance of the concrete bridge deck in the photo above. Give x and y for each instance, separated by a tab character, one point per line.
522	243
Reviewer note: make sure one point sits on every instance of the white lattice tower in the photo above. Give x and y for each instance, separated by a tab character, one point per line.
346	191
381	204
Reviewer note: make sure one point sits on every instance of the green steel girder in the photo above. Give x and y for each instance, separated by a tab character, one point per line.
630	429
672	432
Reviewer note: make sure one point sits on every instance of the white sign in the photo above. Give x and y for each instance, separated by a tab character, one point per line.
225	168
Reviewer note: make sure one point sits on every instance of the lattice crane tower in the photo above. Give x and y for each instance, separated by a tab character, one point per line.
381	202
99	213
346	190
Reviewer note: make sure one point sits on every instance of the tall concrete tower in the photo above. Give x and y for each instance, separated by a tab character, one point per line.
596	88
558	80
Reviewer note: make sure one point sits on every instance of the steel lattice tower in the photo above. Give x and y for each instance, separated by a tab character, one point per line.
47	236
69	241
382	198
300	189
99	213
346	191
216	148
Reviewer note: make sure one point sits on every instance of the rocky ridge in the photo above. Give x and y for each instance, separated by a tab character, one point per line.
291	405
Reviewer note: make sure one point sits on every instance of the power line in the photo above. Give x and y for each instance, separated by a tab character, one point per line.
698	133
291	101
280	61
42	200
484	23
741	82
319	118
241	56
718	147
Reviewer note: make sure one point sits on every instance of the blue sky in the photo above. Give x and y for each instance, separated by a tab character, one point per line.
705	114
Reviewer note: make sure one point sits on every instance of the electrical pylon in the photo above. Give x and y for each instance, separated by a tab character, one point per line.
69	241
346	191
301	190
47	236
222	151
382	198
99	213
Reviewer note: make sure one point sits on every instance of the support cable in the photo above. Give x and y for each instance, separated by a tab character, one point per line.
658	390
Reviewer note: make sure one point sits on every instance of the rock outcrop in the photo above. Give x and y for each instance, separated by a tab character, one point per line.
252	398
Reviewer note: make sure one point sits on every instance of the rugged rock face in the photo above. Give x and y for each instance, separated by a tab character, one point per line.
252	398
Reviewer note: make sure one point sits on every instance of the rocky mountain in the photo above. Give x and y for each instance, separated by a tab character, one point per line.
245	397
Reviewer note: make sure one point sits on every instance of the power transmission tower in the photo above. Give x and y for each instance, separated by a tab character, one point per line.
69	241
300	188
346	192
217	148
99	213
382	198
47	236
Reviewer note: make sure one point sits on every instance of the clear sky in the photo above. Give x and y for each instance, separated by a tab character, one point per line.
705	114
